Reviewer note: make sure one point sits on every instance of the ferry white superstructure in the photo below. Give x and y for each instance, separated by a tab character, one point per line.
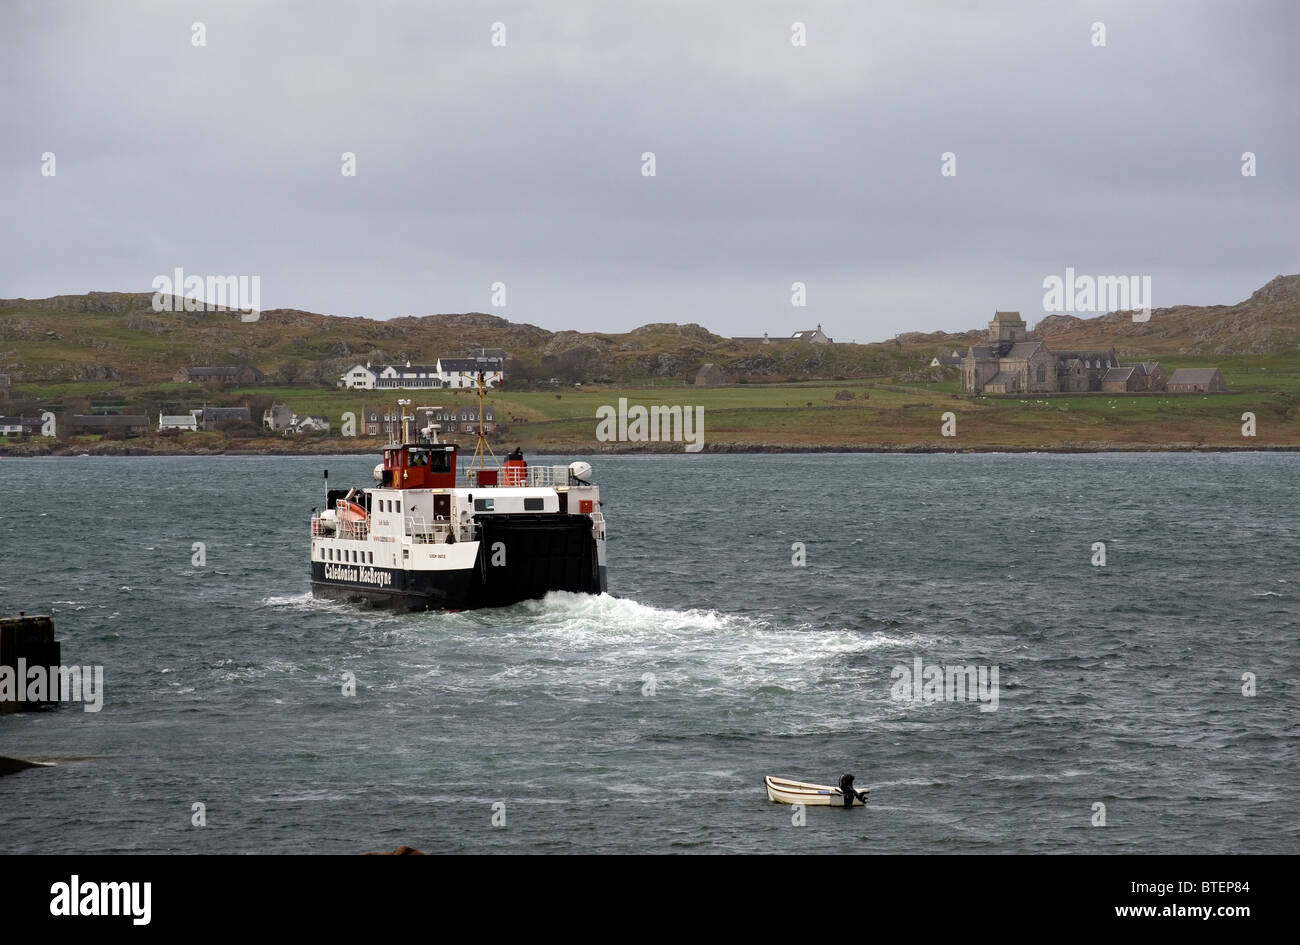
430	537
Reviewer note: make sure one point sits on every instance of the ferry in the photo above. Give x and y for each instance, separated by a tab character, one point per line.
430	536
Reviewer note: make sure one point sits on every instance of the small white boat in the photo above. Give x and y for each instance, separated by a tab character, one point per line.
785	791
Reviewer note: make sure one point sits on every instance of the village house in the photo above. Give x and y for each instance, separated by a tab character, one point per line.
1197	381
20	426
375	422
309	424
185	422
277	418
109	423
710	375
245	375
446	373
946	360
208	417
812	336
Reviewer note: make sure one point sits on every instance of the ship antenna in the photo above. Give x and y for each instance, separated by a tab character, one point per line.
483	449
401	413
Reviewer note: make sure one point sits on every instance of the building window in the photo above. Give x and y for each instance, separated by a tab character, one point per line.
534	505
483	505
1042	373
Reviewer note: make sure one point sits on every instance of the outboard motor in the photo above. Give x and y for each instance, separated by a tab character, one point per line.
846	788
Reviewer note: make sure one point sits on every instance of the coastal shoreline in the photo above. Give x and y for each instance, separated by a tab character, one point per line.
664	450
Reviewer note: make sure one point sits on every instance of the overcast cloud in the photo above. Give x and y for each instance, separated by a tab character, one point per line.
775	163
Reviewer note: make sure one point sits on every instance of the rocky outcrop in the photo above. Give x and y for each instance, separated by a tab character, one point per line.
96	372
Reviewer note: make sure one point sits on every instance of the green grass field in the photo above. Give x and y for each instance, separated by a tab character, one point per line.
796	416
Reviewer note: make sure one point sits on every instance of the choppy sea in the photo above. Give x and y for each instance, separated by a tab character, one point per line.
644	721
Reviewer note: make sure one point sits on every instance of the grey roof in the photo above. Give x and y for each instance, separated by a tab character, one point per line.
109	420
470	364
1007	317
982	351
1118	374
1002	377
1023	349
1185	375
1105	356
413	369
224	413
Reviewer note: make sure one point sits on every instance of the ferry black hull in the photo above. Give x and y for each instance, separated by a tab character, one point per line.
533	555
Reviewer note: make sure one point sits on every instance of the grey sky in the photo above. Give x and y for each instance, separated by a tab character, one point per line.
775	164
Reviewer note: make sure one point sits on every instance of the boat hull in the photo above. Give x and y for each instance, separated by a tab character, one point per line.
783	791
519	558
436	591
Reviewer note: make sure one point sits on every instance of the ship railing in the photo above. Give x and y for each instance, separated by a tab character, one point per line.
546	476
438	531
357	531
598	525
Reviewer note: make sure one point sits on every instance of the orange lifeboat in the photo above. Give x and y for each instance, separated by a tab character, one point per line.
349	511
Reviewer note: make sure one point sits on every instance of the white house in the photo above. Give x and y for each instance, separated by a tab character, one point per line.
446	372
359	376
310	424
184	421
460	372
812	336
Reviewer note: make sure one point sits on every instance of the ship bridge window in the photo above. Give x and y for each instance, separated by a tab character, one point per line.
438	461
534	505
483	505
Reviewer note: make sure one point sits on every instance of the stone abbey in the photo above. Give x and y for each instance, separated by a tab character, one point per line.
1012	363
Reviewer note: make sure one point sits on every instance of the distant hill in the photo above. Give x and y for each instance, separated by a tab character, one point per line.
1266	323
118	336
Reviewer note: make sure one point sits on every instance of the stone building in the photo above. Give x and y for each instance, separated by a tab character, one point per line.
1078	372
277	418
1197	381
1012	363
241	374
